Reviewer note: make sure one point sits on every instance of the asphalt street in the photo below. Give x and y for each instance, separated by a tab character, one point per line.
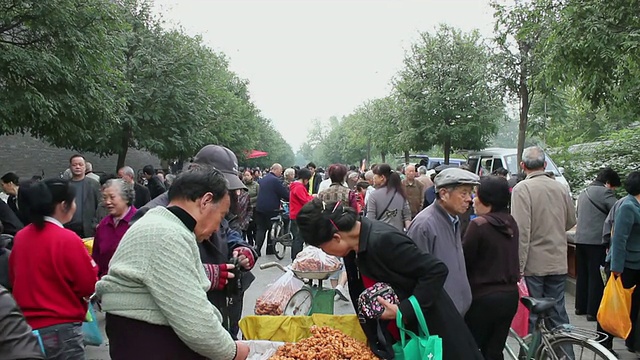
267	276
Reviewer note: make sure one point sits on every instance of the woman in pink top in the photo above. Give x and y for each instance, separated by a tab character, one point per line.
118	197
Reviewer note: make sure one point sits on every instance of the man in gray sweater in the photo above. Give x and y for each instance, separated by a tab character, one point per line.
436	230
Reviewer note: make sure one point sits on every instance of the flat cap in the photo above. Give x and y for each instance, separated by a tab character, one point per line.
455	176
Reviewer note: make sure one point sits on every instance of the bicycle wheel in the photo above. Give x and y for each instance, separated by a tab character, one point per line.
279	248
568	348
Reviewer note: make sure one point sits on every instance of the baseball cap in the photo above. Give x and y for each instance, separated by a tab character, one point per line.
222	159
455	176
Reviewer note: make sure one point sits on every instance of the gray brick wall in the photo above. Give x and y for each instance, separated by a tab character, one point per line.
28	156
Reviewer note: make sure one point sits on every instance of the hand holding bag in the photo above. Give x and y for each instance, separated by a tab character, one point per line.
422	346
613	314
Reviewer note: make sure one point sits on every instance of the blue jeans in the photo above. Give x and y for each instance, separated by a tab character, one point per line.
63	342
550	286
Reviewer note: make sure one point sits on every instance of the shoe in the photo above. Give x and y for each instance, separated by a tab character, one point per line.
579	313
591	318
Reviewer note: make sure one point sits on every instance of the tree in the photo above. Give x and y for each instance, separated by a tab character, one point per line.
595	45
519	31
59	69
449	96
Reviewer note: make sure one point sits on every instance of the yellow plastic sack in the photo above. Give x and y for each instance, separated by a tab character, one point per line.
615	308
88	243
295	328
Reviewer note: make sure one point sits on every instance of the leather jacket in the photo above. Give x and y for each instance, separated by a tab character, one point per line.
16	339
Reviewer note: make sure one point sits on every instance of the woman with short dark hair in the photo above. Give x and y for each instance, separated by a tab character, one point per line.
385	254
491	255
625	249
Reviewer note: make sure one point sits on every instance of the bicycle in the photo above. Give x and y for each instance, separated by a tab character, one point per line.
313	297
280	232
557	343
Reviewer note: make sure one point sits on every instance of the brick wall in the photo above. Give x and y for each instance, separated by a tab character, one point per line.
27	156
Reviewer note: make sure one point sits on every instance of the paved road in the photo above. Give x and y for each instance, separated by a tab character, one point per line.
265	277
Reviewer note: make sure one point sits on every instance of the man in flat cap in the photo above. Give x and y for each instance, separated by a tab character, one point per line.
436	230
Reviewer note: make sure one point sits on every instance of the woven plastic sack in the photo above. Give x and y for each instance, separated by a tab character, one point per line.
274	299
520	322
312	259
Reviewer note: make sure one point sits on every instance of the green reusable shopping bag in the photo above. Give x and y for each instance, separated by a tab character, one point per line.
423	346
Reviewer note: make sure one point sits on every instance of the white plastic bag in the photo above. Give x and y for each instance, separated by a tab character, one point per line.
262	349
274	299
312	259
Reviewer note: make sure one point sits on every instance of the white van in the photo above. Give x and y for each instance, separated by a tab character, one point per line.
486	161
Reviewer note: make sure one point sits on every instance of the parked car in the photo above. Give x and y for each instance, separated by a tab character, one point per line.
486	161
433	162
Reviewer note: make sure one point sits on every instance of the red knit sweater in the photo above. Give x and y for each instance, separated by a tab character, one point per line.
51	271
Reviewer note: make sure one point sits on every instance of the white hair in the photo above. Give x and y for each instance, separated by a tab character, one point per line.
422	170
533	158
124	188
128	170
290	172
88	166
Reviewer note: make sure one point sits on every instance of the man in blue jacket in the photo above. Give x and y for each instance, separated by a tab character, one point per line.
272	190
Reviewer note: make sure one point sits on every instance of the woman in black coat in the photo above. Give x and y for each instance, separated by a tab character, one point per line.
377	251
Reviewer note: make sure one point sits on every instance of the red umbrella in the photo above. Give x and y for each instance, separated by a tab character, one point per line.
254	154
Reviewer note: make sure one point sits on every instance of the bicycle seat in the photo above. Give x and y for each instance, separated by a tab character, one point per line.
538	306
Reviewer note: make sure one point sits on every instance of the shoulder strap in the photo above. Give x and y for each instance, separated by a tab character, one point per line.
378	216
586	192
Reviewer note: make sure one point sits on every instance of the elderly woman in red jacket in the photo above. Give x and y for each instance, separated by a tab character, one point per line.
118	197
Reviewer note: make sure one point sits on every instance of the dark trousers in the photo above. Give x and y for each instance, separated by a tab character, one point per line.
608	342
298	242
489	319
62	342
549	286
250	233
133	339
263	224
630	278
589	284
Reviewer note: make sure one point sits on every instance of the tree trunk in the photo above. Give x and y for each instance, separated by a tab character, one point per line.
124	146
384	157
369	151
406	156
447	150
523	95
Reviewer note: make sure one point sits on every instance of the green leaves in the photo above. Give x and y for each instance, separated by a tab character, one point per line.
448	91
104	76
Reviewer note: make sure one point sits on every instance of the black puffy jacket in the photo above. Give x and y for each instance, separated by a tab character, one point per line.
16	339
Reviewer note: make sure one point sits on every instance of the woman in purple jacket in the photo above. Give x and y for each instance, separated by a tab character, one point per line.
118	197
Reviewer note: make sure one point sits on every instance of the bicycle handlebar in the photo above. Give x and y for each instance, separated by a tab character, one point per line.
272	264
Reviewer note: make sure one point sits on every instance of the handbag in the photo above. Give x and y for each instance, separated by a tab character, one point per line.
90	330
378	217
421	346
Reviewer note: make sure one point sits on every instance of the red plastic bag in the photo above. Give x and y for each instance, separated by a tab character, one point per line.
520	322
